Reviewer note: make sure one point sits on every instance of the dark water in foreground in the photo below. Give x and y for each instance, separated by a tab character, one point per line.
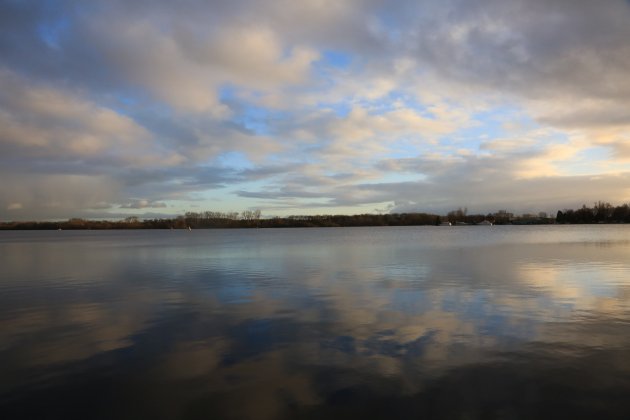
431	322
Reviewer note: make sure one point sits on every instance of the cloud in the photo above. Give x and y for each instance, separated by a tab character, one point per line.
42	124
566	61
144	204
311	102
53	196
489	195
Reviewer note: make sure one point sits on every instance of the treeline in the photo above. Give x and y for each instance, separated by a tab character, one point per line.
253	219
227	220
600	213
395	219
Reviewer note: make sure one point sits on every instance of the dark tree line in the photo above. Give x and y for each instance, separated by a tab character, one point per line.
396	219
225	220
600	213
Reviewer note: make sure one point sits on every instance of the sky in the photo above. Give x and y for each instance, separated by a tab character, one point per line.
111	108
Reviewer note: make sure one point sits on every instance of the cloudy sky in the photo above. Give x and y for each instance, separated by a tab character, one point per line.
118	107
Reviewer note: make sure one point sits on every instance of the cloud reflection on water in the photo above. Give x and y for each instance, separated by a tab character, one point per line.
263	331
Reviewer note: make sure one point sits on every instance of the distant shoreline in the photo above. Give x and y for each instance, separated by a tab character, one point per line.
600	213
29	227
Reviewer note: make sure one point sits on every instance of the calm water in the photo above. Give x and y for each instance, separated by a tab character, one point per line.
420	322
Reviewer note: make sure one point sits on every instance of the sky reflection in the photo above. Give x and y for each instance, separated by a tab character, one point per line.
225	323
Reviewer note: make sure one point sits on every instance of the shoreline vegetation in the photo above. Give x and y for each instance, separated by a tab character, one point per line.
600	213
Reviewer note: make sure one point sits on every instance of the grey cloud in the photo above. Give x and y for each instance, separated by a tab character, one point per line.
481	183
283	193
143	204
533	46
178	183
490	183
450	169
101	205
557	51
126	96
144	215
26	196
53	134
91	52
264	172
43	123
525	195
592	116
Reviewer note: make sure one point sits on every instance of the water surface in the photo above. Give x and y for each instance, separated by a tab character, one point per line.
413	322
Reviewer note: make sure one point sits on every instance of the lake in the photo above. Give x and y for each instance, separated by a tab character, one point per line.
463	322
